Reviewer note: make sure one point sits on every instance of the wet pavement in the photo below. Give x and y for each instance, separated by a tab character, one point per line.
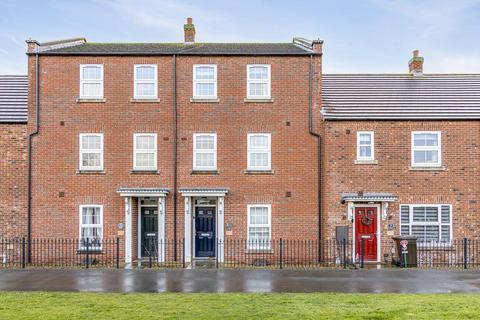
366	281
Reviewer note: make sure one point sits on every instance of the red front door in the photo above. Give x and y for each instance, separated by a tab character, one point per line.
366	229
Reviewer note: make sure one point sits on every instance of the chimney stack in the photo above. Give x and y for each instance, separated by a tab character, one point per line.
415	65
189	32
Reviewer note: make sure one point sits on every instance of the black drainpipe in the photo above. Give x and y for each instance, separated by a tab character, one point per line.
319	160
175	157
30	138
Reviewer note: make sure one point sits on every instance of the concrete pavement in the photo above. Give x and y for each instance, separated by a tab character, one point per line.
365	281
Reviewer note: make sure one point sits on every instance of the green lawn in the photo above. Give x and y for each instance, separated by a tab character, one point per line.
41	305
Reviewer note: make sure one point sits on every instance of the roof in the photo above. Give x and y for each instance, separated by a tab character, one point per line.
13	98
400	96
367	196
92	48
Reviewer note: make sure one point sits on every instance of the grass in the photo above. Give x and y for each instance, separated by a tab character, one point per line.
42	305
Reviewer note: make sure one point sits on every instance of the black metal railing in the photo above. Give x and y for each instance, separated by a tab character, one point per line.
462	253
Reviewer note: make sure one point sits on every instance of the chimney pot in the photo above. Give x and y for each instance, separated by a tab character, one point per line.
189	31
415	65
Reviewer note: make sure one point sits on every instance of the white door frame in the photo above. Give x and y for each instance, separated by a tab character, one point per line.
194	231
354	233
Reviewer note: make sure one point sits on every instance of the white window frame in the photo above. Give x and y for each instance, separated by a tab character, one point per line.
82	151
250	150
195	151
83	81
195	81
438	223
426	148
372	146
252	246
138	81
136	150
80	225
250	81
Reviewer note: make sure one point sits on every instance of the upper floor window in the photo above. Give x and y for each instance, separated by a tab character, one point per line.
259	226
145	81
365	146
426	149
91	151
205	81
205	151
429	223
91	226
258	81
145	151
259	151
91	81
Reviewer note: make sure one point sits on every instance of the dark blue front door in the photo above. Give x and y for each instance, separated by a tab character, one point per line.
204	232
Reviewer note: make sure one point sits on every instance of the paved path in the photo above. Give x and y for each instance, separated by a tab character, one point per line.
374	281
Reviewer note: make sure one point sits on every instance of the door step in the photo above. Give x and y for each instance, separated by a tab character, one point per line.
204	264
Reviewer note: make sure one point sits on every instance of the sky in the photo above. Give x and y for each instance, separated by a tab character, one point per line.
361	36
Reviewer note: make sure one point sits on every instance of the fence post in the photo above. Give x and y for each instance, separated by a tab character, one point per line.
88	244
183	253
281	253
117	252
23	252
344	248
216	253
362	253
465	253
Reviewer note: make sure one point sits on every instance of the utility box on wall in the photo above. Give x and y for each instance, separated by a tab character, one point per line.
341	233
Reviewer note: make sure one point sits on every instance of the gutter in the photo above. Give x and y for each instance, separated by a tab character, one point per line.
30	138
175	156
319	161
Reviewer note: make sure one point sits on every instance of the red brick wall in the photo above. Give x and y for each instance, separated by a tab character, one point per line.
457	184
55	155
13	180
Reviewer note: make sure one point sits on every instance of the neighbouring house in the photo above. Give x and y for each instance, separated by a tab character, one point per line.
400	155
189	142
13	159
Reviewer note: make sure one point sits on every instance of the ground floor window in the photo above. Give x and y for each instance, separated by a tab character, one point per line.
259	226
429	223
91	226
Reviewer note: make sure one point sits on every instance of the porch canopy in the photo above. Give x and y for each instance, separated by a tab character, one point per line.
203	192
368	197
142	192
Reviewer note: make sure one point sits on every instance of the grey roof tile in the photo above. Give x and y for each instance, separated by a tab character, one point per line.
13	98
400	96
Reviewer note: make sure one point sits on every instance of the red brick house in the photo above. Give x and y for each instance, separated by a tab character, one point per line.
191	141
13	151
401	155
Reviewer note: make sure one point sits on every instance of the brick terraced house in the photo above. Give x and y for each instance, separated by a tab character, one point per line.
185	146
190	142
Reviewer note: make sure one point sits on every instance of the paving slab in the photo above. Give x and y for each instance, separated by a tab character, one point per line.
251	281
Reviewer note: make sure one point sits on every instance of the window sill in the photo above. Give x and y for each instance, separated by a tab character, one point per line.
90	171
427	168
144	100
204	172
366	162
253	251
259	100
144	171
204	100
91	100
259	172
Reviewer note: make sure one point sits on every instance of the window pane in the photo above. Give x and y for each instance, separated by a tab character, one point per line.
90	159
405	211
145	89
145	73
258	159
418	214
205	73
365	139
425	139
90	215
259	142
92	73
445	214
204	160
365	151
431	214
92	89
204	89
205	142
404	231
419	232
259	73
145	160
145	142
432	233
446	233
91	142
258	215
258	89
